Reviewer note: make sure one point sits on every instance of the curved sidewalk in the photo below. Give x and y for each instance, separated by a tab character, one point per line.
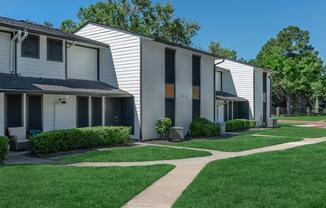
165	191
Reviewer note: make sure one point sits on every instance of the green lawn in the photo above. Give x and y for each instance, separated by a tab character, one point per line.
303	118
146	153
33	186
247	140
292	178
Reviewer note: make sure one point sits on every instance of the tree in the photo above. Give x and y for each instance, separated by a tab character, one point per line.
297	63
217	49
140	16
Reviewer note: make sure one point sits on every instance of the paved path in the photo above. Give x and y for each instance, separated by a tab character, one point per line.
165	191
18	158
312	124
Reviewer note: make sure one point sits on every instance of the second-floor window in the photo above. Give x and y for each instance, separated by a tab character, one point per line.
170	84
54	50
30	47
195	86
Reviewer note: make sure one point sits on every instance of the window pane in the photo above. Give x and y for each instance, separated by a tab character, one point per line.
55	48
96	111
196	70
30	47
169	90
170	109
169	66
196	92
195	109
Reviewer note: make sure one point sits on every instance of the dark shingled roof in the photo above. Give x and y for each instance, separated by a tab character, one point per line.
43	30
229	97
13	83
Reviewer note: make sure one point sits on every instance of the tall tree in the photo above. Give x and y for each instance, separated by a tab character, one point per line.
216	48
141	16
297	63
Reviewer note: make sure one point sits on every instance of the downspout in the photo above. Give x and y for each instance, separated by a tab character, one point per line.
214	75
19	41
11	50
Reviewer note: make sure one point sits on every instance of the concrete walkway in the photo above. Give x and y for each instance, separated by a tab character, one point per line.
311	124
165	191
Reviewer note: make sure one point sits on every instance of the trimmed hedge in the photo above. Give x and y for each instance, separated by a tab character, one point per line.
239	124
203	127
79	138
3	147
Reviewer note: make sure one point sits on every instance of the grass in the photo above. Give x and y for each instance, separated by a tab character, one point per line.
33	186
247	140
292	178
146	153
303	118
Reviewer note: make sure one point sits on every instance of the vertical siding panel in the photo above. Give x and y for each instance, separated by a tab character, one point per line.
4	52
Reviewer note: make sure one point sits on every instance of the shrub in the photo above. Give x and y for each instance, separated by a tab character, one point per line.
3	147
163	126
79	138
239	124
203	127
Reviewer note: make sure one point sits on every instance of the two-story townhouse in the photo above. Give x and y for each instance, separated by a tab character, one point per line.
50	79
242	91
166	79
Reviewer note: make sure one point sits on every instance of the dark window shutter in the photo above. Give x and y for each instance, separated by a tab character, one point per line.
170	109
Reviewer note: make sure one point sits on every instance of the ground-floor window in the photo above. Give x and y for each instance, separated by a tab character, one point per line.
34	112
96	111
82	112
14	110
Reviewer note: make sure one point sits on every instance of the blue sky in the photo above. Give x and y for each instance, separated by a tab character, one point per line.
241	25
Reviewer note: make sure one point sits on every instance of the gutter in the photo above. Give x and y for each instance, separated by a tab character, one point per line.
12	50
214	71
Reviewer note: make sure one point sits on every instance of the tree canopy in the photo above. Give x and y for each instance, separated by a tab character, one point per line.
298	65
217	49
140	16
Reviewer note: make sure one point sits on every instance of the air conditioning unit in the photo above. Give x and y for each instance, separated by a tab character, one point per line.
271	123
176	134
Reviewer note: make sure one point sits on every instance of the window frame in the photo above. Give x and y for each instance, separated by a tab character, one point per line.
23	55
48	49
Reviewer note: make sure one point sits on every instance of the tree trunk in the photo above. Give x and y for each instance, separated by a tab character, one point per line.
288	105
316	105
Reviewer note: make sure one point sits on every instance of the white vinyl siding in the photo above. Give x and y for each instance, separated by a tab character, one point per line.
82	63
64	116
4	52
2	114
125	61
32	67
239	81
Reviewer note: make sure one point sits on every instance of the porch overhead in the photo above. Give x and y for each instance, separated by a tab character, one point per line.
229	97
13	83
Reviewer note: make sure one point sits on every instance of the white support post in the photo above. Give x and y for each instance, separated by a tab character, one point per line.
103	111
24	110
89	111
